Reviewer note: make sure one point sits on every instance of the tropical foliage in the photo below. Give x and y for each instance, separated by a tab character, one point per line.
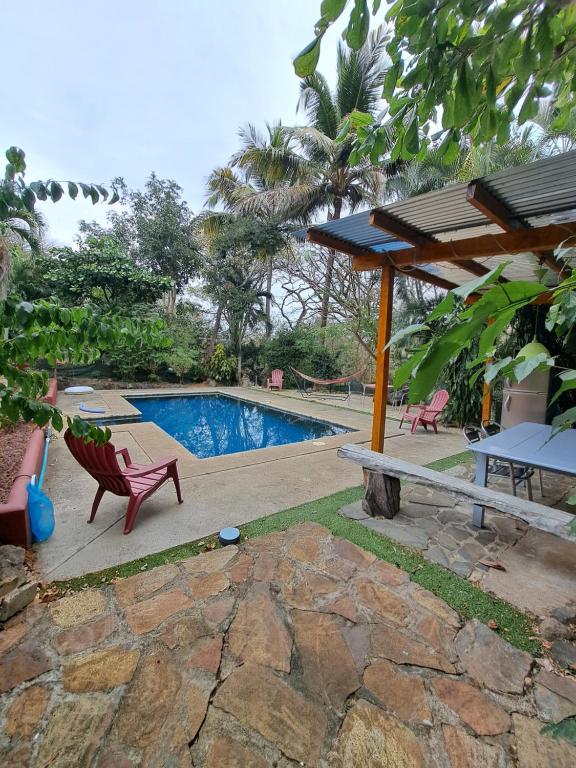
54	333
470	68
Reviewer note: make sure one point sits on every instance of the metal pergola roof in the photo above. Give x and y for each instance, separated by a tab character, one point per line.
495	214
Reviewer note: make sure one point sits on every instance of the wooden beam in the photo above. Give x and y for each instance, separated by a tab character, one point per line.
393	226
426	277
329	241
484	201
540	239
552	263
382	358
478	196
474	268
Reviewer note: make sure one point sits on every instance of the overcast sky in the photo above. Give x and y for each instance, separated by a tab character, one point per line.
124	87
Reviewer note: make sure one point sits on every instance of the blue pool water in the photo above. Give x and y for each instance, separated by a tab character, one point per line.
214	425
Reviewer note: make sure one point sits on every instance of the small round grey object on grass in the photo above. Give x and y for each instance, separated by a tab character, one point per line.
229	536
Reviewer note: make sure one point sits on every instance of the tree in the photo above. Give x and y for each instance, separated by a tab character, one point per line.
45	329
312	170
471	68
233	279
20	222
100	273
238	190
57	334
158	230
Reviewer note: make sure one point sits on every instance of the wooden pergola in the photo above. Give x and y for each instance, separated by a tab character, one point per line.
447	236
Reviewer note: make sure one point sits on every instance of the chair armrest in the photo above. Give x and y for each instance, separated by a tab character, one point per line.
149	468
125	455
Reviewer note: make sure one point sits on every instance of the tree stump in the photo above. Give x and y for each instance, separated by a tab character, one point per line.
381	494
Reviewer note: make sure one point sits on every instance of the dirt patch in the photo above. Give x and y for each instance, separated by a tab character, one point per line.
13	444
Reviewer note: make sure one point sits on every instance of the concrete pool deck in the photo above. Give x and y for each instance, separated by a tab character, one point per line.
220	491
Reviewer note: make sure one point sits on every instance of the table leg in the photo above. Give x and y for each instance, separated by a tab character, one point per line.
480	479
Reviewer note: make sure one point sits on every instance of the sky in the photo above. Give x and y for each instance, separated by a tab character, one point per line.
126	87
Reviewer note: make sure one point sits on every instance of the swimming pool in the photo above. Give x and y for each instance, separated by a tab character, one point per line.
215	424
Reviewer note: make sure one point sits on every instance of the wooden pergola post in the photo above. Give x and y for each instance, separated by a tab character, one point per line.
382	357
487	393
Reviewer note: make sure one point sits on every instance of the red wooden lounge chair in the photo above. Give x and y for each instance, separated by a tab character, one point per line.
276	379
137	481
426	415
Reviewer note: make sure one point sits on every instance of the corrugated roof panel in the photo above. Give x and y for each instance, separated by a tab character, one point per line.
541	193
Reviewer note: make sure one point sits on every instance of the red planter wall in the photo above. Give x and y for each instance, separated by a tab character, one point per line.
14	522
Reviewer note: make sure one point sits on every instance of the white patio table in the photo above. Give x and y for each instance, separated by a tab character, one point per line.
528	445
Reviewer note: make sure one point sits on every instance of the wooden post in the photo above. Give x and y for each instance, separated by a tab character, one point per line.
486	403
487	394
382	357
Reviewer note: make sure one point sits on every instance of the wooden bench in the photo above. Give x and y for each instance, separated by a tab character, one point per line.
383	474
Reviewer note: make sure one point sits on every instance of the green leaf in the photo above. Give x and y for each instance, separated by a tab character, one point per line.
462	98
490	87
344	130
72	190
566	419
357	30
115	198
445	307
28	198
526	63
55	191
330	10
404	371
39	190
57	421
473	286
15	157
493	369
491	332
390	80
568	379
408	330
411	137
307	60
529	108
525	367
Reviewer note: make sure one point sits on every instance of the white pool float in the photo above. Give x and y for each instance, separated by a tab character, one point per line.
91	408
78	390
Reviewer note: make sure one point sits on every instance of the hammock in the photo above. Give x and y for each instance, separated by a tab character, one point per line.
357	375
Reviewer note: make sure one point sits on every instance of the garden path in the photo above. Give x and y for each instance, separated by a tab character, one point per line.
294	649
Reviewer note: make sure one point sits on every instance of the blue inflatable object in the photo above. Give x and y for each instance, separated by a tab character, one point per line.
229	536
40	508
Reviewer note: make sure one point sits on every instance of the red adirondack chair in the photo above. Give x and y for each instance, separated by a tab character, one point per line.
424	414
137	481
275	380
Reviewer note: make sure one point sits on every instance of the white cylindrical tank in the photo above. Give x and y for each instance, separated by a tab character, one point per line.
526	400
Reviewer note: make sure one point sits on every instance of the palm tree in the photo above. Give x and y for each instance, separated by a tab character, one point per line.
19	227
306	170
240	194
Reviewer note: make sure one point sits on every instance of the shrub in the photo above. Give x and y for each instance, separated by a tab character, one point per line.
299	348
221	367
184	362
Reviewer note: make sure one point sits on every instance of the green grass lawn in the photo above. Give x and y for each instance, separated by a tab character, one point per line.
462	595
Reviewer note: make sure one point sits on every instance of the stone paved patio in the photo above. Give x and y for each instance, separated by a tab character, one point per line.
295	649
540	569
